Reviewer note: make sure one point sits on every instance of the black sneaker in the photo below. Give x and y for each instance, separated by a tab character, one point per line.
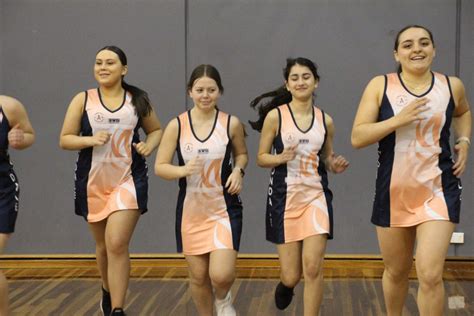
283	296
105	303
118	312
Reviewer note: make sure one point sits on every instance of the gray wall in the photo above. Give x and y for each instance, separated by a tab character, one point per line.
467	76
1	43
48	52
49	55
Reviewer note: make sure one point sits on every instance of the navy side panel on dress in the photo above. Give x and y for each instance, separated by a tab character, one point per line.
4	129
9	198
139	173
276	198
9	186
451	184
83	166
181	196
325	182
381	208
233	202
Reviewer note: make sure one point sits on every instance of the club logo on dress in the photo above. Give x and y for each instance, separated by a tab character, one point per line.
401	100
188	147
99	117
290	138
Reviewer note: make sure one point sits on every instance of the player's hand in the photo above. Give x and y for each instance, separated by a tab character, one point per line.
193	166
142	148
413	112
288	154
338	164
234	182
462	151
16	137
100	138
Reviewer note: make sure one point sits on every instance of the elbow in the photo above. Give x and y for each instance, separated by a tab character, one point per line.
356	142
160	172
157	171
62	144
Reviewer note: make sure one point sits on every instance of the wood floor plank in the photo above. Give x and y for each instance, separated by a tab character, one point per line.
251	297
246	268
160	287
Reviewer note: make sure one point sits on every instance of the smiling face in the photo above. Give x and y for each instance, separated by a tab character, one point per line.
301	82
108	70
205	93
415	50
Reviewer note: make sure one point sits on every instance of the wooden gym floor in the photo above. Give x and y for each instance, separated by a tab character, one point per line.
59	285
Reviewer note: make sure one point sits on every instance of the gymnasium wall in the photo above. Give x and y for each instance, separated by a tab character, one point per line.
47	50
1	42
466	66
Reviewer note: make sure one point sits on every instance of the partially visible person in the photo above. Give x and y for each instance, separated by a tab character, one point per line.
15	131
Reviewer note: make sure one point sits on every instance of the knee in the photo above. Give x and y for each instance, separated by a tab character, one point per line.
290	278
313	270
100	249
199	280
222	279
116	245
429	277
398	273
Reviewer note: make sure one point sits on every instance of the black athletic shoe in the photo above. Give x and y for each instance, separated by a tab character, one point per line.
105	303
118	312
283	296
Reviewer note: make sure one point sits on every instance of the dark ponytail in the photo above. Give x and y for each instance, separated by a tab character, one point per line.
281	95
140	99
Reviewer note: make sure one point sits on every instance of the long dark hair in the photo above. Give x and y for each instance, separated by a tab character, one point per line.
140	99
397	38
280	95
205	70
